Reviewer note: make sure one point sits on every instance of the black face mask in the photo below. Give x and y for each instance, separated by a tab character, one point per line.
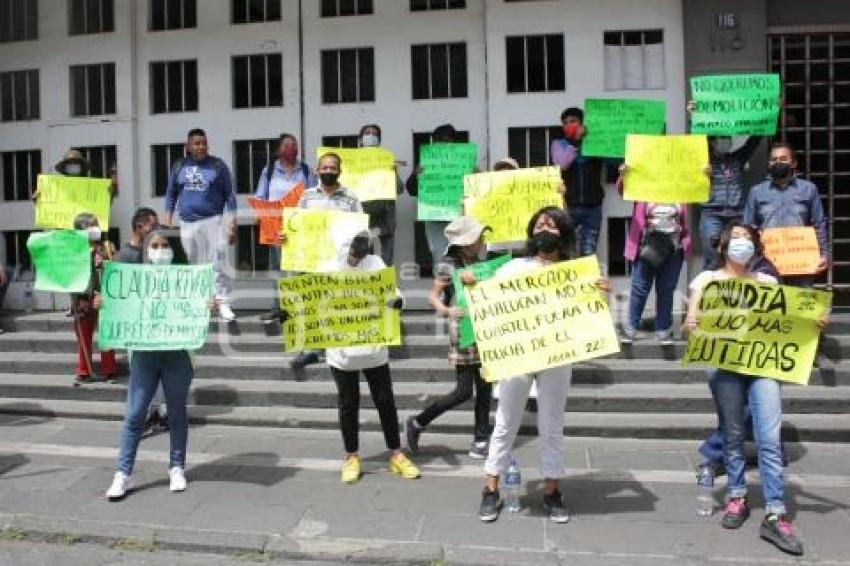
779	170
328	179
360	248
546	241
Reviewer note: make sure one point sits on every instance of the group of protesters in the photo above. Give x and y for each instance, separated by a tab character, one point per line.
201	190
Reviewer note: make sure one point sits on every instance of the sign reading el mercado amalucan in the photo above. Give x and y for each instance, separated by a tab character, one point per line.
154	307
540	319
729	105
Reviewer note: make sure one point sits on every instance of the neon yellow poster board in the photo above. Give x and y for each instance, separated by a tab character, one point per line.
368	171
314	236
346	308
61	199
541	319
666	169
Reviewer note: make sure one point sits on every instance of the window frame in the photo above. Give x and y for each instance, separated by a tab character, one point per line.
171	150
106	85
13	33
527	66
187	67
643	44
429	51
106	18
32	97
22	190
269	6
271	90
360	7
188	15
253	176
360	98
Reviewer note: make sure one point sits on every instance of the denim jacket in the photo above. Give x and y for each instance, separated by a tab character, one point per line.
727	178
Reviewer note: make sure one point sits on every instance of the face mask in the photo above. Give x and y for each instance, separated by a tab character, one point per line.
73	169
571	131
741	250
328	179
160	256
290	154
722	146
360	249
94	233
546	241
370	140
779	170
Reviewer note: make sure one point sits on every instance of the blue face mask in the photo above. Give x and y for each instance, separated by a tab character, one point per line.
741	250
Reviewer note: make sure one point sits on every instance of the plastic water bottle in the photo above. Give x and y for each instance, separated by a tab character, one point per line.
705	491
29	300
513	482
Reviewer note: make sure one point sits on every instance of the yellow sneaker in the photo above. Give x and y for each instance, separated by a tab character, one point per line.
402	466
351	470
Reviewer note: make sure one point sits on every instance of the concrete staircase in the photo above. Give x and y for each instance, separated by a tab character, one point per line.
243	378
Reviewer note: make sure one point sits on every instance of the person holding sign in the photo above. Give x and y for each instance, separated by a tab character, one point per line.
172	371
733	392
551	238
466	244
346	365
84	306
786	199
201	187
382	216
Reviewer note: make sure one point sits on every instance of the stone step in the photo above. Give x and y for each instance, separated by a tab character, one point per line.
796	427
619	398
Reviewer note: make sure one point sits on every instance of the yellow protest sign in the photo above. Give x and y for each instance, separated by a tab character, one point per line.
346	308
61	199
368	171
793	250
314	236
758	329
666	169
506	200
541	319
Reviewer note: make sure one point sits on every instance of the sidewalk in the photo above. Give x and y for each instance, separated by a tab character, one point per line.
277	492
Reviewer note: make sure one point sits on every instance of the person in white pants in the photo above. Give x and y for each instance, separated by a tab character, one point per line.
551	238
207	241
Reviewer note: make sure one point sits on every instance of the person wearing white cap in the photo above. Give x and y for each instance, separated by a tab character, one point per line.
465	237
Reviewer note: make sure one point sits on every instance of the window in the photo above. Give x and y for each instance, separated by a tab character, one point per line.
19	96
19	171
438	70
253	11
348	75
91	16
634	60
93	89
18	20
101	157
341	141
174	86
334	8
250	156
422	138
257	81
251	256
423	5
173	14
530	146
17	254
163	156
535	63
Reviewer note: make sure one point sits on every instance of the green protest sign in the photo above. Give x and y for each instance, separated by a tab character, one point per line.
609	121
441	181
729	105
154	307
62	260
482	270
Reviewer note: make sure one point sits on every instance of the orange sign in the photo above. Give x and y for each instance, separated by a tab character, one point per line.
793	250
270	213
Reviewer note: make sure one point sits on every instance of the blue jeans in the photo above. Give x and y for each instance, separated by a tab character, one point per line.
712	447
731	393
711	223
274	273
437	241
666	277
588	223
147	370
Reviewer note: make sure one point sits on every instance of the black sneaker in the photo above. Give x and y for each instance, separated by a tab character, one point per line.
411	434
736	513
111	379
777	530
304	359
478	449
555	507
271	317
491	504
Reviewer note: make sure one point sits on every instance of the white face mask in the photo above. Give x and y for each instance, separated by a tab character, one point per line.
94	233
741	250
160	256
370	140
73	169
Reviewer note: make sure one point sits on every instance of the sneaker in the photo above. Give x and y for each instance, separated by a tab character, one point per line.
777	530
491	504
664	337
555	507
271	317
716	468
81	379
351	470
111	379
736	513
178	479
226	313
304	359
402	466
478	449
411	433
121	484
628	335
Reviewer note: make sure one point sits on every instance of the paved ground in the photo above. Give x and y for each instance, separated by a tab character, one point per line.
274	495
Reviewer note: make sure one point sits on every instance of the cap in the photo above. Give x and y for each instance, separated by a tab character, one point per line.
505	163
463	231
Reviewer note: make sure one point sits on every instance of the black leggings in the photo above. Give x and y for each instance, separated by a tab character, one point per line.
466	375
381	388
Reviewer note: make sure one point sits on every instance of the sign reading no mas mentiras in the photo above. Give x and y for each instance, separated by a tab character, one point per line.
729	105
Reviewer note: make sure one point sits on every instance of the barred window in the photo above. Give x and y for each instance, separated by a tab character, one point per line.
19	95
92	89
257	80
91	16
530	146
348	75
250	156
438	70
535	63
18	20
254	11
174	86
19	171
345	140
634	60
173	14
163	157
334	8
424	5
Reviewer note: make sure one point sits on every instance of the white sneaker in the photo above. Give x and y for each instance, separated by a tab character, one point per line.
121	484
178	479
226	313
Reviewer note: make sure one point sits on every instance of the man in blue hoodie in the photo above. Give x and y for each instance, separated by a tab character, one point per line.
201	188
